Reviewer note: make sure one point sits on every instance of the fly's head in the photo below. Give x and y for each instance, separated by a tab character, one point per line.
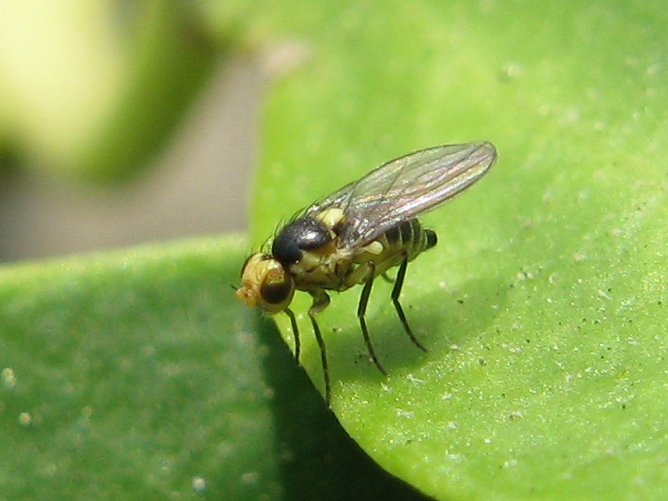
265	283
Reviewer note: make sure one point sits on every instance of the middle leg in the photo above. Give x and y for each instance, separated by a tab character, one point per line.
361	311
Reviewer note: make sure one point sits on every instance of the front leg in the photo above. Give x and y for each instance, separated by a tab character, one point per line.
295	331
320	302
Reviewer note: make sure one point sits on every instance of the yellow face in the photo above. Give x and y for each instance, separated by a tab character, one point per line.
265	283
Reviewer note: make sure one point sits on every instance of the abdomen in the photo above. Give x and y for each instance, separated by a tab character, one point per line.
406	240
409	237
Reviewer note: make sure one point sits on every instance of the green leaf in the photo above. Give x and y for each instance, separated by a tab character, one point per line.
543	305
136	375
131	375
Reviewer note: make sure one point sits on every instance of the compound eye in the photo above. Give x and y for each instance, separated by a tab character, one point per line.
276	292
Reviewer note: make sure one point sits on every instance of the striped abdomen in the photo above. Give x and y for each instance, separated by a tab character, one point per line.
408	238
405	241
342	269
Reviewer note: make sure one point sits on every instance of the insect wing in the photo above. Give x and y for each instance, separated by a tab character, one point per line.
405	187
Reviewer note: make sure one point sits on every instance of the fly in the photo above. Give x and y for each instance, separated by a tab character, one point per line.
358	233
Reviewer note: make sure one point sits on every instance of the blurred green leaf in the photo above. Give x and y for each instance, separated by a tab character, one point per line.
92	90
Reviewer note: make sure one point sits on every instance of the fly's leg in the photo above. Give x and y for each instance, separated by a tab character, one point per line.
396	292
361	311
320	302
295	331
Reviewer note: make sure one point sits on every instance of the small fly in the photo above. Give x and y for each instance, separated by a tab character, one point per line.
358	233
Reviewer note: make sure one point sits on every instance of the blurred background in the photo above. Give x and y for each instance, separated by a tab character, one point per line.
120	123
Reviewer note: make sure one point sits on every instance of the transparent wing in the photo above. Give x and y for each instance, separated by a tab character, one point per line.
405	187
